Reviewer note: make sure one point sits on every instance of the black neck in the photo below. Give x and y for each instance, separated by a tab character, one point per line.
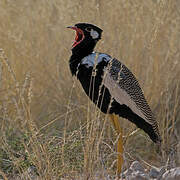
78	52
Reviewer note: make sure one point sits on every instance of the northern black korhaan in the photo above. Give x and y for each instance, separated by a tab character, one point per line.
110	84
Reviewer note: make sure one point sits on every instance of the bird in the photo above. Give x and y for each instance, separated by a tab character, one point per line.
110	85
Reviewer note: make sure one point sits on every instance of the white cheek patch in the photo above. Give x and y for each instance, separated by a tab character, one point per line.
94	34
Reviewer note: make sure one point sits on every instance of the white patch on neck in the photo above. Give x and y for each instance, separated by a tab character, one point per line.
94	34
89	61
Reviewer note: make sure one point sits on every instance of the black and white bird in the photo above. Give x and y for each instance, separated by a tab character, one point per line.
110	84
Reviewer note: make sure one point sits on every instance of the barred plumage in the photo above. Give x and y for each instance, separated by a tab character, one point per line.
123	77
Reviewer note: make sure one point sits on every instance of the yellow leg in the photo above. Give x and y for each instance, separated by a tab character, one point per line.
117	127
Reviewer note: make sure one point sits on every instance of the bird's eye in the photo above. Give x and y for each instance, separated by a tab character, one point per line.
88	29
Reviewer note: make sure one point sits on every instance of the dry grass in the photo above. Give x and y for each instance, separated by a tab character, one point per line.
46	120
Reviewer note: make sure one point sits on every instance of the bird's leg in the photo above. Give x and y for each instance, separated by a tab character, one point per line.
116	124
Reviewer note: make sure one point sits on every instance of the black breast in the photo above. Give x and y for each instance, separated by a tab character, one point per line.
91	81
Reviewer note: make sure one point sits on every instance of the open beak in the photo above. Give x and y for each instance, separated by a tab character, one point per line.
79	35
72	27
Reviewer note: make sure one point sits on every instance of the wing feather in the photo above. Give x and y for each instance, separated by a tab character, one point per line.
125	89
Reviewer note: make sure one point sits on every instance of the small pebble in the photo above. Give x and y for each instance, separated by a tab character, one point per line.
153	173
136	166
172	174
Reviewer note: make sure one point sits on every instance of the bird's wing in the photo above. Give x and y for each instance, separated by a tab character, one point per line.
125	89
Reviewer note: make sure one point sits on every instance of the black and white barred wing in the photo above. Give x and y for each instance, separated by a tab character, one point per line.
125	89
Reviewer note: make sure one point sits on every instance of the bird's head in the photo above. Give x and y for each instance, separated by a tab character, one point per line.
87	35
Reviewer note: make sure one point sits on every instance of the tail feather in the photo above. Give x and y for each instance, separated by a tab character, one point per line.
125	112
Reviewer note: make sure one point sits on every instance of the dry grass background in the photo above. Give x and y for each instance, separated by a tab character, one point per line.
46	120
